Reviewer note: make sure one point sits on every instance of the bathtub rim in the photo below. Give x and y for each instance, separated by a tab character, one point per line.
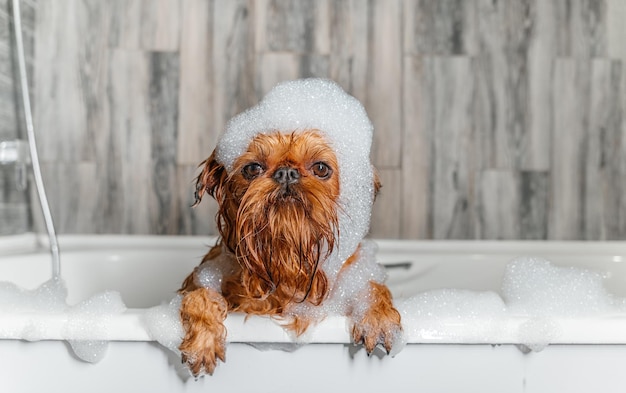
130	325
33	242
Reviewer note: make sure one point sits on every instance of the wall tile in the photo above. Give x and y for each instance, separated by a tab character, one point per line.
493	119
616	29
453	162
386	211
445	27
299	26
235	62
582	28
534	199
383	97
126	24
196	133
603	158
571	88
70	41
348	58
160	25
417	145
498	207
163	96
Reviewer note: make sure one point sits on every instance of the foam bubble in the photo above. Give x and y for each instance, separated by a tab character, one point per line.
538	332
451	313
534	286
210	274
48	297
350	294
163	324
83	320
91	317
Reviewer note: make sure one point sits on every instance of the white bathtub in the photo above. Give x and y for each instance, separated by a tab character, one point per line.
588	354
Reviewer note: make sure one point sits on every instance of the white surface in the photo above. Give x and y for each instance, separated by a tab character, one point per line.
144	367
147	271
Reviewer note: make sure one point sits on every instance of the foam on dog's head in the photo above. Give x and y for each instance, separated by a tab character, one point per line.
316	104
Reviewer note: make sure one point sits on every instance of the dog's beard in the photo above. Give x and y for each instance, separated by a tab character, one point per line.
284	237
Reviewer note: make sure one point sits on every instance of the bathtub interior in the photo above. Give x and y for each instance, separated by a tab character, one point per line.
147	270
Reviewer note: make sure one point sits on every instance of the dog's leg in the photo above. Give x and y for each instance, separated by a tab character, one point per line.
379	323
202	314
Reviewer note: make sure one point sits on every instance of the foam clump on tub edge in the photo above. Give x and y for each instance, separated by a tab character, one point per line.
81	321
163	324
532	288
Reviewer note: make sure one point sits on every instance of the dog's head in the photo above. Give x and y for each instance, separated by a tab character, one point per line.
278	208
290	176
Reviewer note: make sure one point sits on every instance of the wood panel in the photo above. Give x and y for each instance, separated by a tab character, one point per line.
493	119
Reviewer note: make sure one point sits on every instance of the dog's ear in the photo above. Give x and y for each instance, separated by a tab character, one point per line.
377	184
210	180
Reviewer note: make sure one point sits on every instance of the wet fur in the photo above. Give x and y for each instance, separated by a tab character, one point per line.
277	239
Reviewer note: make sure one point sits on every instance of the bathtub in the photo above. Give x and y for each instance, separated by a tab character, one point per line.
588	354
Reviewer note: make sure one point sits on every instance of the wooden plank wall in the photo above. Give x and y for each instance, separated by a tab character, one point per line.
494	119
15	212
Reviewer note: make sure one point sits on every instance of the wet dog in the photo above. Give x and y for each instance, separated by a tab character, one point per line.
291	224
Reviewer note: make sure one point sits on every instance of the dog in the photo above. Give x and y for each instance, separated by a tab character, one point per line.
294	188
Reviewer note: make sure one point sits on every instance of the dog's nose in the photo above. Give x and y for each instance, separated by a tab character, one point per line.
286	175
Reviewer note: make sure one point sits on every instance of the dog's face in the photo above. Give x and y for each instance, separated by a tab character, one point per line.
278	211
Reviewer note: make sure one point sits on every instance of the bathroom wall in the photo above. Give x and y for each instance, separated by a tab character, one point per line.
15	214
494	119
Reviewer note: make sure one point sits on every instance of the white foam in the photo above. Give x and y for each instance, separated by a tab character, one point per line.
533	289
210	274
163	324
48	297
534	286
91	317
82	321
350	294
451	313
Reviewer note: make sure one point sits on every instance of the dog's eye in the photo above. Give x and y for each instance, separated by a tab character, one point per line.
321	170
252	171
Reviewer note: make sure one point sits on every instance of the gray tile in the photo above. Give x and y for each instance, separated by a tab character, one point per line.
383	91
571	120
445	27
452	160
299	26
197	92
498	207
386	211
417	149
604	159
160	25
534	198
582	30
163	97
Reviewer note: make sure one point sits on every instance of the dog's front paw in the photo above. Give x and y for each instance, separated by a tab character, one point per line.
202	315
380	323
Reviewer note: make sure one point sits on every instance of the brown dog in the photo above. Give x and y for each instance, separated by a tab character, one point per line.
280	218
